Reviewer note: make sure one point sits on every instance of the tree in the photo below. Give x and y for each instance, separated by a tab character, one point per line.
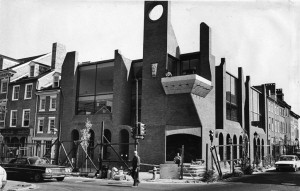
86	134
85	137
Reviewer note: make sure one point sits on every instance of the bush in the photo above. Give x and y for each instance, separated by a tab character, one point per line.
238	173
248	169
210	176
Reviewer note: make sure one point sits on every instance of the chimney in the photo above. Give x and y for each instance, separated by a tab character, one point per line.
58	56
280	94
205	52
271	90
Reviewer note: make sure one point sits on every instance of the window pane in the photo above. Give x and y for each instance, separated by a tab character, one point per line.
16	92
104	83
228	113
233	91
185	65
87	80
31	71
104	103
41	124
43	103
28	91
26	118
86	105
228	87
53	103
4	87
14	118
194	63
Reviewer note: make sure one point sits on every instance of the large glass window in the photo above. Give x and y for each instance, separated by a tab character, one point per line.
231	98
255	105
95	92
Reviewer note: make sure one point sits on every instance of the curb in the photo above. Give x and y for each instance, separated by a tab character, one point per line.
21	187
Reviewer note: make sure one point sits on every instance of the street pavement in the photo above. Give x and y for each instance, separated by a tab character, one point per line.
145	177
13	185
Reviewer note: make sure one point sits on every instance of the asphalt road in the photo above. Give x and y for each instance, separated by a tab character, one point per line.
268	181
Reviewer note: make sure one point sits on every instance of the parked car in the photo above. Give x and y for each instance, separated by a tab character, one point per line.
288	162
35	168
3	178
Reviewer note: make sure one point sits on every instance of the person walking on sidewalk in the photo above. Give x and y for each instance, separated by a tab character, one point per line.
135	169
177	159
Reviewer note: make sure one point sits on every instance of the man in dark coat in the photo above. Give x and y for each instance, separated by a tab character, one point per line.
135	169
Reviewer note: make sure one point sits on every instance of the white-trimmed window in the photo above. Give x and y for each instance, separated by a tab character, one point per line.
31	71
4	86
51	124
13	118
28	91
42	103
41	121
26	118
55	81
52	103
16	92
2	115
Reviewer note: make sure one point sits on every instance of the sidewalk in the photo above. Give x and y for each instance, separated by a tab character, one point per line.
13	185
145	177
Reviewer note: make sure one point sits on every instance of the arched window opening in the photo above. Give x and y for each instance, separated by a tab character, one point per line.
106	153
241	147
90	148
228	147
74	138
234	147
221	148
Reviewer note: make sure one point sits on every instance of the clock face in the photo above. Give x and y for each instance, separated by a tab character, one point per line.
156	12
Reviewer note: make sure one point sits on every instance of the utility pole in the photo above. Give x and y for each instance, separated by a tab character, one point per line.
101	148
136	110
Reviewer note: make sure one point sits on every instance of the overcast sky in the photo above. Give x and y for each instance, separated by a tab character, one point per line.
263	37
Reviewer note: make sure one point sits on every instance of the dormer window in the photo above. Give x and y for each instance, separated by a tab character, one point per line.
55	81
31	72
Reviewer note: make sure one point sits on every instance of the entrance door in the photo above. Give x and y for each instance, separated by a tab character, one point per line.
192	147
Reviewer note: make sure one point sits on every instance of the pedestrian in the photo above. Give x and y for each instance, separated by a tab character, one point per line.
136	161
177	159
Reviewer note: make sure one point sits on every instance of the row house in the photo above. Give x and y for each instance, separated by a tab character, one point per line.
294	129
25	82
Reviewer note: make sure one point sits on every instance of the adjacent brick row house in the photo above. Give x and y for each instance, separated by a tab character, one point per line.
25	86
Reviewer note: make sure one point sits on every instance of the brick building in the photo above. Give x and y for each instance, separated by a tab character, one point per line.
21	81
181	97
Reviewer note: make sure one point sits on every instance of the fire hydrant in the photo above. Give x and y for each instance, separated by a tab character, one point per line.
154	173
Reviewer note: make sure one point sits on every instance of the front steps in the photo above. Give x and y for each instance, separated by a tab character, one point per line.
192	170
